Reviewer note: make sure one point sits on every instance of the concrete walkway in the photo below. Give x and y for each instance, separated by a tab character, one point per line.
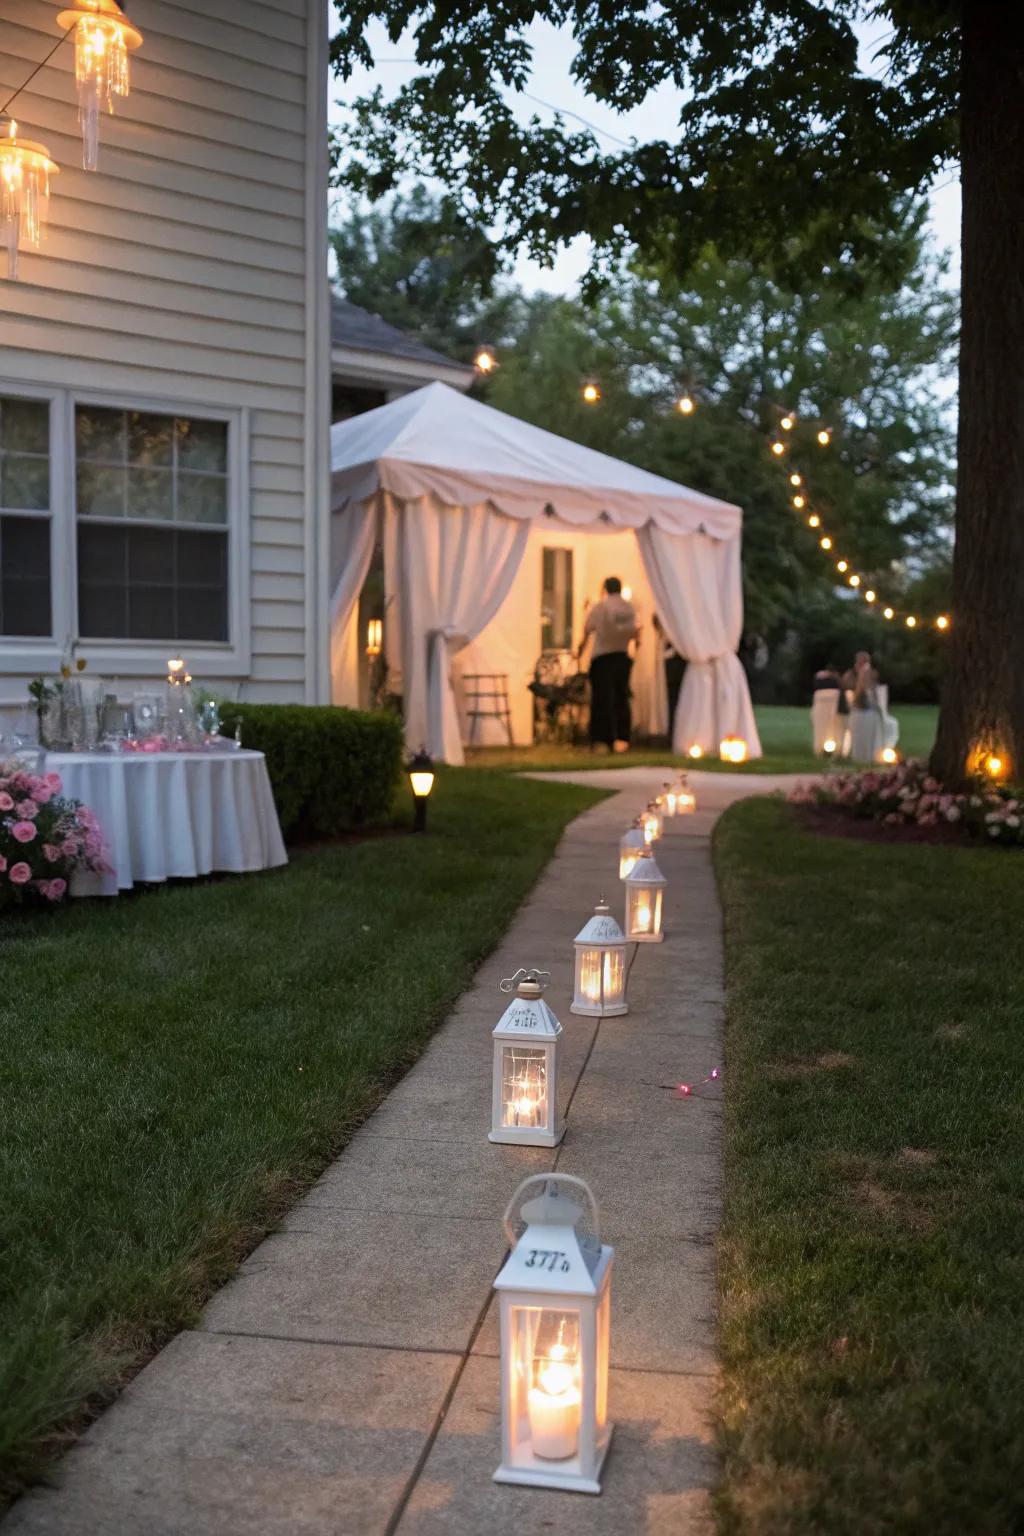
347	1380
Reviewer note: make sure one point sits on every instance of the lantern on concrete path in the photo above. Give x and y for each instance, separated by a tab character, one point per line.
666	801
645	886
630	845
653	823
686	800
524	1099
600	967
554	1296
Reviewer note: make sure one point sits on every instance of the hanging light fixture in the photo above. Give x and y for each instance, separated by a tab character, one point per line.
104	37
25	171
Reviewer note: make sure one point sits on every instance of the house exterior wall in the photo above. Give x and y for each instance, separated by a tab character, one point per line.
188	276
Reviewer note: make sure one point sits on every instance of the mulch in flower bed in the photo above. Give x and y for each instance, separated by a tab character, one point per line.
834	821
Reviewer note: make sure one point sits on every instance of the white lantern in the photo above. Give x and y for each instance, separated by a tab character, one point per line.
645	886
686	800
600	967
667	800
554	1294
630	845
732	749
524	1104
652	823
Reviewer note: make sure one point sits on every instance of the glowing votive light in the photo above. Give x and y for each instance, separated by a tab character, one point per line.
824	437
798	502
374	636
787	423
887	613
695	752
890	755
732	749
942	622
993	766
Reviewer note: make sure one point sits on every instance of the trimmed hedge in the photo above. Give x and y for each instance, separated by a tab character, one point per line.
330	769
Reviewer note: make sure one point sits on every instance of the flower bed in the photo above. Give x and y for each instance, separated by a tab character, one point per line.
908	796
44	839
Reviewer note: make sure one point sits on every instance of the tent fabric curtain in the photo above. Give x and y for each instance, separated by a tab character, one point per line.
352	539
697	586
457	568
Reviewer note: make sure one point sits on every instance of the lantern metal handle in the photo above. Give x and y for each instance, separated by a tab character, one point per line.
545	1179
509	983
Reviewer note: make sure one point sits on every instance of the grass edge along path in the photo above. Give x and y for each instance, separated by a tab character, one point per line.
178	1065
871	1266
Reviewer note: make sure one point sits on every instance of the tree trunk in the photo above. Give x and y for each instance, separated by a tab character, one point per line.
983	700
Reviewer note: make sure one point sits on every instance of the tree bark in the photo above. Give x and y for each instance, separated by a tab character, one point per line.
983	700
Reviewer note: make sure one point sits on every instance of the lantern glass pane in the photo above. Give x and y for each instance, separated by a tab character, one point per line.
627	858
589	987
642	910
524	1087
614	975
546	1386
601	1364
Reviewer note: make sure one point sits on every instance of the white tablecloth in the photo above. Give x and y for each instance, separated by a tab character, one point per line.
167	815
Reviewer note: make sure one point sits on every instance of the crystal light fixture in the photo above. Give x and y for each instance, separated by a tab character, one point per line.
25	171
104	37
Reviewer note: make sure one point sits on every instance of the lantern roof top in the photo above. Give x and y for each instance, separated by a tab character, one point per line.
528	1015
601	928
559	1248
645	871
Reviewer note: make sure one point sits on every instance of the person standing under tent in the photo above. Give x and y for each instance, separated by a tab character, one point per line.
611	626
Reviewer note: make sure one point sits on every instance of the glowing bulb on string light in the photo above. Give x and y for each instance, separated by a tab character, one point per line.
799	501
942	622
890	755
826	542
686	405
787	423
888	613
796	479
841	565
814	521
855	580
869	596
911	621
824	437
485	361
993	766
591	392
104	37
25	171
778	449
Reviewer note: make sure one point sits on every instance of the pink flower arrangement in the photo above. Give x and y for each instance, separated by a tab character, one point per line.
44	838
907	795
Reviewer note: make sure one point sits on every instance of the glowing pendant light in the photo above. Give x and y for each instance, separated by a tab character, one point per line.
103	39
25	171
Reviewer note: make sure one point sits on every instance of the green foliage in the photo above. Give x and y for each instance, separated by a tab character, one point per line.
869	1262
330	769
781	126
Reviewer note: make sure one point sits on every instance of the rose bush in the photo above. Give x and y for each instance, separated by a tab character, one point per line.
908	795
44	838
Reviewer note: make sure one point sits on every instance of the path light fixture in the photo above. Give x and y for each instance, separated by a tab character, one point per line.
686	800
732	749
653	824
600	967
645	886
524	1107
828	748
630	845
554	1297
104	37
421	782
888	755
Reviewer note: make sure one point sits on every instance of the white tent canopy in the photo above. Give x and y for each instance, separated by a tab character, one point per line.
455	489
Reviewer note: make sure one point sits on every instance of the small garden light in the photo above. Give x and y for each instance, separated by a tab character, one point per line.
696	752
554	1296
889	756
524	1106
421	781
645	886
686	800
600	967
732	749
591	392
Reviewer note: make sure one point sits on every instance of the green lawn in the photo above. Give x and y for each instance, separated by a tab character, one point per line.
872	1259
178	1064
785	733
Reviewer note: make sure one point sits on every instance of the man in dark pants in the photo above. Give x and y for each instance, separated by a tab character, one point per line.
611	625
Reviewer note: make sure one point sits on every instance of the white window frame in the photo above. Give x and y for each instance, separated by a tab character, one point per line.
133	658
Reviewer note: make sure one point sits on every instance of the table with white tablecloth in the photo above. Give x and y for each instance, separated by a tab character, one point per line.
173	815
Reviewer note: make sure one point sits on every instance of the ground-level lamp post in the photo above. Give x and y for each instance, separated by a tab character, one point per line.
554	1296
600	991
630	845
524	1095
421	782
645	886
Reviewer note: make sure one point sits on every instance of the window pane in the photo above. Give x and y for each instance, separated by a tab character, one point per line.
202	499
24	426
101	492
150	438
24	482
202	614
203	559
203	445
151	613
100	433
151	493
24	576
138	583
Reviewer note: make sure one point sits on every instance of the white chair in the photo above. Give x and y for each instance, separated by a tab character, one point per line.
825	718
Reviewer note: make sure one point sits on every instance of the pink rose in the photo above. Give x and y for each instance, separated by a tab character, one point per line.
57	889
20	874
6	803
93	846
50	853
28	810
23	832
55	782
43	793
69	847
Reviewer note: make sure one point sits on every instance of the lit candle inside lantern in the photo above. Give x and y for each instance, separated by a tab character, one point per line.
643	915
696	752
553	1406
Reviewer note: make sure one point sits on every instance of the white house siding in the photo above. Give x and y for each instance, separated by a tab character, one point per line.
191	269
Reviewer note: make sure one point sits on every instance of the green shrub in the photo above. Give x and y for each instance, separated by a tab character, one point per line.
330	769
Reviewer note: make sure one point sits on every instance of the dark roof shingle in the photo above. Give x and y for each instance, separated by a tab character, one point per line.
357	328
